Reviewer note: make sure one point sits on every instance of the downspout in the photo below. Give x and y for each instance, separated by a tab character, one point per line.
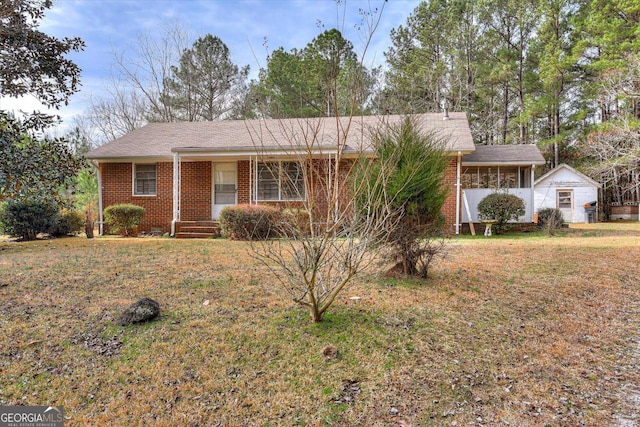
254	193
100	215
458	185
533	193
176	193
336	173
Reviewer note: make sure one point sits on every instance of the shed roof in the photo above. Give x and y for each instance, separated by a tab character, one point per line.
580	177
157	140
518	155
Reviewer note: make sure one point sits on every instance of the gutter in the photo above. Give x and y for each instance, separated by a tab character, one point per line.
176	193
533	192
458	185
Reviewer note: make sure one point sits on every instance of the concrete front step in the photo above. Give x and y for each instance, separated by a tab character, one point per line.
197	229
190	235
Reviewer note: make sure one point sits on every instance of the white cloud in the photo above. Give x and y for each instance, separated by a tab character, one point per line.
242	24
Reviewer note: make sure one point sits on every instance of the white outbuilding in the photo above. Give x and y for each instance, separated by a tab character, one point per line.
574	193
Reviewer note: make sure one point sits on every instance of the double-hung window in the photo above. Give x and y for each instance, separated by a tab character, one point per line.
280	181
144	179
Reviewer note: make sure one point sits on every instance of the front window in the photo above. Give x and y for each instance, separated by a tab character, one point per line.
280	181
144	180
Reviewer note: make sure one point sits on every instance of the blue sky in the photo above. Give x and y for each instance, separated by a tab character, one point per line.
244	25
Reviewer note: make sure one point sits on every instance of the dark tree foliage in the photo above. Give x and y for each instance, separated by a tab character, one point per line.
413	165
206	84
33	167
32	62
324	78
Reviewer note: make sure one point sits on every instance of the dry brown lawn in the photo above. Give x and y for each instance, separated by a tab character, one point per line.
520	330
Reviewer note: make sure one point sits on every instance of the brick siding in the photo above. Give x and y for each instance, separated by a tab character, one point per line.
117	187
449	208
196	191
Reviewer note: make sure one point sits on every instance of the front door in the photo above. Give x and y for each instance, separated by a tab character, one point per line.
225	186
565	204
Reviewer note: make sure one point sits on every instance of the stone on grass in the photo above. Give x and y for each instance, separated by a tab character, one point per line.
143	310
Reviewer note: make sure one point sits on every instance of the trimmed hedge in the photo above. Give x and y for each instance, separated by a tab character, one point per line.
249	222
501	207
124	218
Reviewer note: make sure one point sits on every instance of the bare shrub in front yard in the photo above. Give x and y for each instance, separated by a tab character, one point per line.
325	241
549	220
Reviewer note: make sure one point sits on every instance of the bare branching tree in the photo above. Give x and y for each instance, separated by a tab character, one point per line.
612	150
135	91
325	241
615	151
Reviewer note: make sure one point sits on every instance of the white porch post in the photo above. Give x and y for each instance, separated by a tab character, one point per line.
176	193
458	185
100	214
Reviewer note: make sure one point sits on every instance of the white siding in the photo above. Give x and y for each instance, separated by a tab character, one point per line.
584	191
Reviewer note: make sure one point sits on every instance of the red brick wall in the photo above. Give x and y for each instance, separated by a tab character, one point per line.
244	179
195	191
117	187
449	208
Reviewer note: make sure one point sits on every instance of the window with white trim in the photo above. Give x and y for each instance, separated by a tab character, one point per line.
144	179
279	181
565	199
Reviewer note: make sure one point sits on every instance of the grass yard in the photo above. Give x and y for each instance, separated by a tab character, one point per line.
522	330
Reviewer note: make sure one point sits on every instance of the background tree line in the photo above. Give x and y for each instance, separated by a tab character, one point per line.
562	74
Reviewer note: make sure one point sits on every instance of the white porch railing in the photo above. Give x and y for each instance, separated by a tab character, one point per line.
475	195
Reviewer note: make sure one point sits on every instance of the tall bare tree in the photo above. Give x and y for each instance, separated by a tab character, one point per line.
327	243
136	93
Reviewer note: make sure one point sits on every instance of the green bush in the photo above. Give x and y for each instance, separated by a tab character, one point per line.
501	207
25	219
123	218
249	222
550	219
67	222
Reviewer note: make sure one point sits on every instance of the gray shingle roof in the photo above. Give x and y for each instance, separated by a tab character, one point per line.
504	154
250	136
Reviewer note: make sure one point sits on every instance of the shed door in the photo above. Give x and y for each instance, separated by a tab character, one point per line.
225	186
565	204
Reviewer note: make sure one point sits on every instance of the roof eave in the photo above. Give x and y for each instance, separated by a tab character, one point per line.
494	163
